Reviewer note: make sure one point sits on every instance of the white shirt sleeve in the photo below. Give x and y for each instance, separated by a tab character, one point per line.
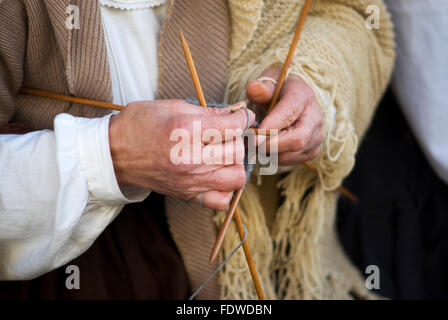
421	76
58	192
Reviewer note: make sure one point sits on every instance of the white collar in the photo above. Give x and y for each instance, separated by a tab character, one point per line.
131	4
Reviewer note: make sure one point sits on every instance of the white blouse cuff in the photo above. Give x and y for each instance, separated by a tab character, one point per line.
97	165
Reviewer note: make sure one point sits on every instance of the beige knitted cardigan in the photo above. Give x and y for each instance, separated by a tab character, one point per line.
296	250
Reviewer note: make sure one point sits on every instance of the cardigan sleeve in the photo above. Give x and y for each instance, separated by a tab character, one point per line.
13	35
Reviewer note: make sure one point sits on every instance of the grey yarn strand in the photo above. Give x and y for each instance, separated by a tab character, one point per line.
249	169
220	266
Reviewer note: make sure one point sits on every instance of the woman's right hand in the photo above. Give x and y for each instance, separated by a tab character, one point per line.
141	145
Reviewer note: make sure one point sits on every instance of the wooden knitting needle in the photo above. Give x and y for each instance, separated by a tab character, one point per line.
238	220
341	189
295	40
288	60
194	74
94	103
106	105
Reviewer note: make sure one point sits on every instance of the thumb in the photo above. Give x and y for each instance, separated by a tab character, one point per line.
260	92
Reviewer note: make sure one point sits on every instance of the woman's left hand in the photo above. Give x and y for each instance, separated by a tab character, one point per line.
297	116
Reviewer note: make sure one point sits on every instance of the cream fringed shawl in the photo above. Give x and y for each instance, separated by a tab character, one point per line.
348	66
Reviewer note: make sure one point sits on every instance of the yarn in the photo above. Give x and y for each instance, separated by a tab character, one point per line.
220	266
248	165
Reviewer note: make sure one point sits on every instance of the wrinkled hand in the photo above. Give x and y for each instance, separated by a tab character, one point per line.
297	112
141	147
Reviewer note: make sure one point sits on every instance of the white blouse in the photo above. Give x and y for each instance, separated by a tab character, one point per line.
58	189
132	38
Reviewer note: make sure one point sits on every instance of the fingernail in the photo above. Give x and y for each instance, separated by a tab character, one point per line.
238	106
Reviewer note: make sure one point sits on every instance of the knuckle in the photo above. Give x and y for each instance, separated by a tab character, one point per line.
319	115
173	123
305	138
240	151
307	92
312	154
183	184
185	124
291	117
240	179
214	111
316	151
320	136
307	157
210	123
216	182
297	143
221	204
320	121
181	168
238	120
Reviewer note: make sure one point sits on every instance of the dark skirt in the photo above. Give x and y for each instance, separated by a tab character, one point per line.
134	258
401	221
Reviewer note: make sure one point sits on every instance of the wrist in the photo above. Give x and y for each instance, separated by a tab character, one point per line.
116	150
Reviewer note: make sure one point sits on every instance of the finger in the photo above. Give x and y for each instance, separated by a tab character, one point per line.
228	178
227	153
293	158
228	126
294	97
260	92
214	127
215	200
303	135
